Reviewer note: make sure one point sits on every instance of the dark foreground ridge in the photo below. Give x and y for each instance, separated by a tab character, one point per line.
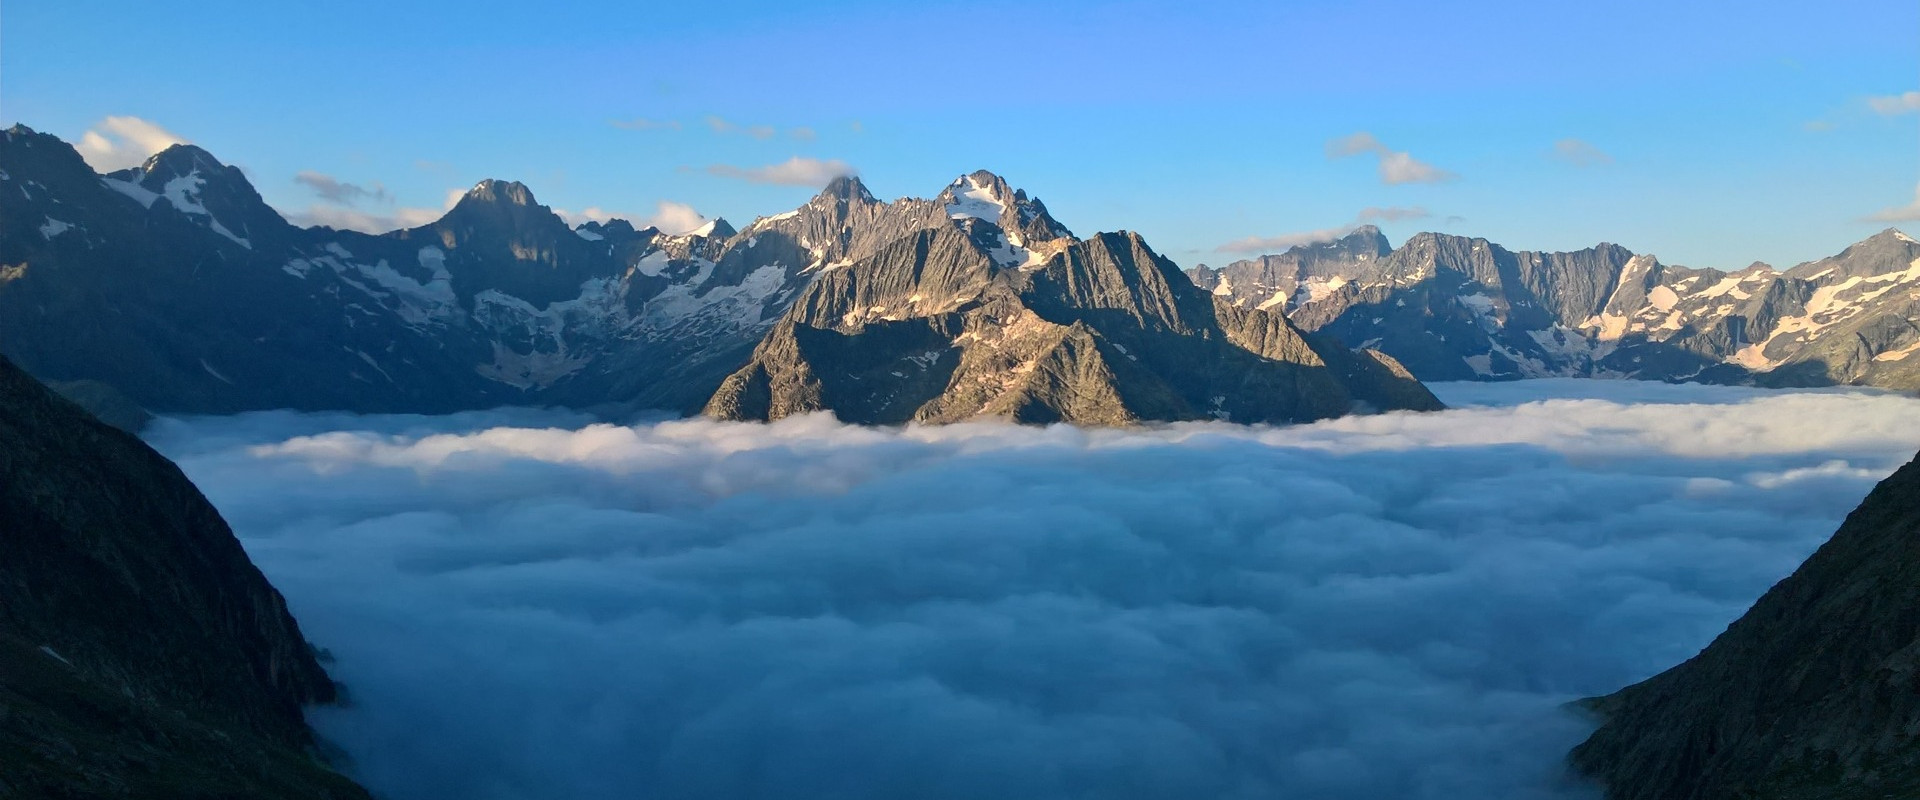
141	654
1814	694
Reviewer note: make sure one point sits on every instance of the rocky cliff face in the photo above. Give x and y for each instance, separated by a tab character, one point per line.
1453	308
1814	693
141	654
971	319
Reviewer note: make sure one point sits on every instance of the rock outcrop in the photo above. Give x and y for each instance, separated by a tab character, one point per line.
141	654
1814	694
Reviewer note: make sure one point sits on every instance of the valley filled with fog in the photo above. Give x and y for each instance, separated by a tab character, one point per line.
525	604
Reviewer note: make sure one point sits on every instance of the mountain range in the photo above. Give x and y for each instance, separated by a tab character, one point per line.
1455	308
176	286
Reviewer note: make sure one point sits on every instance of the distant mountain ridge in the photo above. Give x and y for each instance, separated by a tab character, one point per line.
176	285
1457	308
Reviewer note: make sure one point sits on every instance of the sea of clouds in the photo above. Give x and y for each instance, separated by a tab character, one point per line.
523	604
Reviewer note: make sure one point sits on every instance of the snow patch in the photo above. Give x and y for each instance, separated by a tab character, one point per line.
54	227
972	200
724	308
652	264
216	373
773	219
589	235
47	649
184	194
1900	354
140	194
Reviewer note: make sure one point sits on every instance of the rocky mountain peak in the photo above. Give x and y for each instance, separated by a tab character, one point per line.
1364	240
506	207
613	228
491	190
1892	234
184	159
1884	253
213	194
986	196
846	189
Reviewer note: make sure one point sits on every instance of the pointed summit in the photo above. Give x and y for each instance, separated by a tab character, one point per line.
986	196
1364	240
1885	253
513	193
1892	235
846	188
196	184
716	228
505	208
183	159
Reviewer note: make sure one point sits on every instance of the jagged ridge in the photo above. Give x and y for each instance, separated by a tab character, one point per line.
1455	308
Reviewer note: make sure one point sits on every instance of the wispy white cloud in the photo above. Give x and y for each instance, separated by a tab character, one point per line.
1396	166
644	124
723	126
668	216
354	219
796	171
1580	153
1391	213
1890	105
1283	242
334	190
117	143
1907	213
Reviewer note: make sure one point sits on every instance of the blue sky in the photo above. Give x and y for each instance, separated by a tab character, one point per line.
1710	134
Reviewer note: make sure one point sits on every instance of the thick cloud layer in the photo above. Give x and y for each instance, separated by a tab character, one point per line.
524	605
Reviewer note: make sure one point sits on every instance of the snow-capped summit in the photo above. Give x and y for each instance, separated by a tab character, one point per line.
192	182
986	196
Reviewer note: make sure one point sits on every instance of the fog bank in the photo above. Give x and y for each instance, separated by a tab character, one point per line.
526	605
